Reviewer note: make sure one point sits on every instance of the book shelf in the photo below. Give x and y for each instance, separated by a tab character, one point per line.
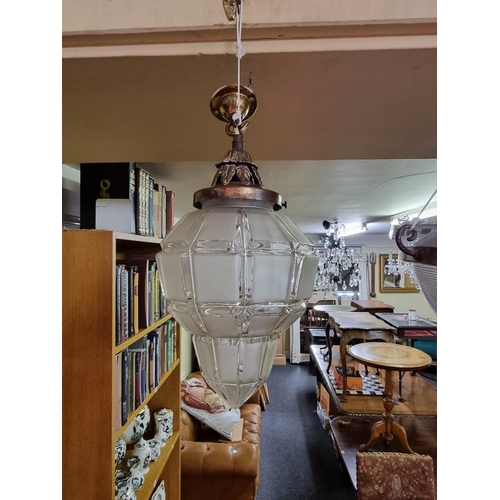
90	428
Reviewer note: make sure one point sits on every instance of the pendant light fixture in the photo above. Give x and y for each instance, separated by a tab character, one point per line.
236	272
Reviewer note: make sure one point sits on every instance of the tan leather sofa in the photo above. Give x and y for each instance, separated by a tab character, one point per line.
215	470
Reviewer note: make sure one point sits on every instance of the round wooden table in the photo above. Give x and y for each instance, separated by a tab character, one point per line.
390	357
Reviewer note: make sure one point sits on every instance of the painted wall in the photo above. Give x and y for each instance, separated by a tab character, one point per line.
186	353
174	15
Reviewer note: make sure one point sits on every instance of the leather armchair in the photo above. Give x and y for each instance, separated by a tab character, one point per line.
216	469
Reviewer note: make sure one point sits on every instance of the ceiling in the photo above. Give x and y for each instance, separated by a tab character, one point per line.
345	134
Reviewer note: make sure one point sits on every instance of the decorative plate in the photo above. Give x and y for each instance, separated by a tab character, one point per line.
160	493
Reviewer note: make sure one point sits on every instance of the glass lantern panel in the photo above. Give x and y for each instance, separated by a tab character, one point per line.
184	229
170	264
307	276
221	326
221	225
265	227
188	321
217	277
293	229
271	277
236	369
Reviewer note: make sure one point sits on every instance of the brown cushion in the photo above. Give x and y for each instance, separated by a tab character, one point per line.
394	476
190	427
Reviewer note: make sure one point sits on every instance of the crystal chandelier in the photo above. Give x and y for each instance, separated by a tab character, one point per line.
236	272
397	266
338	268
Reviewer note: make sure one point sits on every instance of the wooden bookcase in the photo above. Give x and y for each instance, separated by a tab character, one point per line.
88	382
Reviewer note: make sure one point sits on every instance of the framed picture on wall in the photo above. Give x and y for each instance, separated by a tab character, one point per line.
394	283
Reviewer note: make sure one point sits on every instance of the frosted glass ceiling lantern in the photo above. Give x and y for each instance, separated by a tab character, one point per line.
236	272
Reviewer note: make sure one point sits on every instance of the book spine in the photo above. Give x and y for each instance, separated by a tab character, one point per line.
144	375
174	341
151	214
150	295
132	197
130	302
137	198
135	272
163	211
124	303
137	376
156	209
156	337
130	383
125	408
170	212
118	319
169	344
144	202
163	346
156	283
152	377
118	392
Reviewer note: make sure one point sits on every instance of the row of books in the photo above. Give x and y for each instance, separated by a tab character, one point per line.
140	367
139	300
154	209
150	211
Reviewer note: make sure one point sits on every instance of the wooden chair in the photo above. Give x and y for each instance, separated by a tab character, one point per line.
394	476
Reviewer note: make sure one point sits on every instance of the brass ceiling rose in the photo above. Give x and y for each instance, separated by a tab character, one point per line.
224	103
237	177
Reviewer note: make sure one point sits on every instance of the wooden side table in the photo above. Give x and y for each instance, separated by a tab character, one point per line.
408	331
355	325
389	357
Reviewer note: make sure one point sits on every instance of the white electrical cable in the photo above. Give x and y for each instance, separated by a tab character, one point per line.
239	54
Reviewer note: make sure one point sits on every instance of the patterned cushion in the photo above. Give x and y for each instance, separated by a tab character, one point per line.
201	402
394	476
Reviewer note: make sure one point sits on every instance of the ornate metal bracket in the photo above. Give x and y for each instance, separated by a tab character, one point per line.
237	176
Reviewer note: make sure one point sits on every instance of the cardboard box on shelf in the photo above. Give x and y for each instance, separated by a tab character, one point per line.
354	379
325	400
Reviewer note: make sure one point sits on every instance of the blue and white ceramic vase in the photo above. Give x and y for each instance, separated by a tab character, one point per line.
134	466
120	449
164	424
143	451
138	426
155	445
123	485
